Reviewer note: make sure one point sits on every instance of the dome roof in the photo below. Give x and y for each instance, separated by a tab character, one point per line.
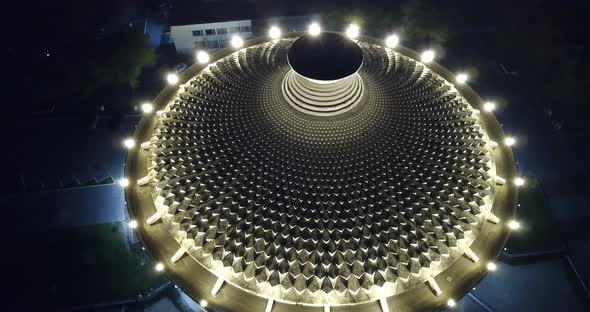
395	197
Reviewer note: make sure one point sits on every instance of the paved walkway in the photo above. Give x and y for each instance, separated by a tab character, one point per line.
67	208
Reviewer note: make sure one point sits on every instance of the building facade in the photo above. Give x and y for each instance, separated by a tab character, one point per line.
208	36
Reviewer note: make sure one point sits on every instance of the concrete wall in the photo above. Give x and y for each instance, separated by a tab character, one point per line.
187	43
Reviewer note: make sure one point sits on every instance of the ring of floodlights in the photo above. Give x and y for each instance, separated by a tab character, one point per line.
252	204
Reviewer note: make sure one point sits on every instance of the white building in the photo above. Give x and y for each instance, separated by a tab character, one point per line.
209	36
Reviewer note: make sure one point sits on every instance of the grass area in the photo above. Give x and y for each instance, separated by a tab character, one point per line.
93	264
537	232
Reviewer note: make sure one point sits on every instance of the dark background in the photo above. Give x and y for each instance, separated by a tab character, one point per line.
74	72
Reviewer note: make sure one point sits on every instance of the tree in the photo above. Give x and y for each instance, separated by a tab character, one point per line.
425	21
96	72
374	20
82	49
117	60
416	20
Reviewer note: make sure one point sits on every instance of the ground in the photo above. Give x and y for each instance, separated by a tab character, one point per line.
95	264
538	231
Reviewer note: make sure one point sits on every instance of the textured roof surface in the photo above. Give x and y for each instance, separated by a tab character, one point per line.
323	210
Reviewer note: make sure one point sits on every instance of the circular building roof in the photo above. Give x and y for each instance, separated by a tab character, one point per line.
252	203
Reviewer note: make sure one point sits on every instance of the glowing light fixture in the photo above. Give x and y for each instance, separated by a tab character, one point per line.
274	32
124	182
489	106
203	303
462	78
427	56
391	41
451	303
159	267
237	41
510	141
314	29
519	181
172	79
147	107
133	224
129	143
353	31
513	225
491	266
202	57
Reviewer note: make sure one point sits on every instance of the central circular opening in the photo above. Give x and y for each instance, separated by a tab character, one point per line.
328	56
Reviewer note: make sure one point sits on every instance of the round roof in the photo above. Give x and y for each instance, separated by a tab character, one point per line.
246	197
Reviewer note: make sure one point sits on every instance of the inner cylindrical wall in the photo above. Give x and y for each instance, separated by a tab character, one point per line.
324	79
322	97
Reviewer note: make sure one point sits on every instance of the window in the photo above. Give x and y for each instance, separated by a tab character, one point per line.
221	31
233	30
197	33
199	44
209	32
246	29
